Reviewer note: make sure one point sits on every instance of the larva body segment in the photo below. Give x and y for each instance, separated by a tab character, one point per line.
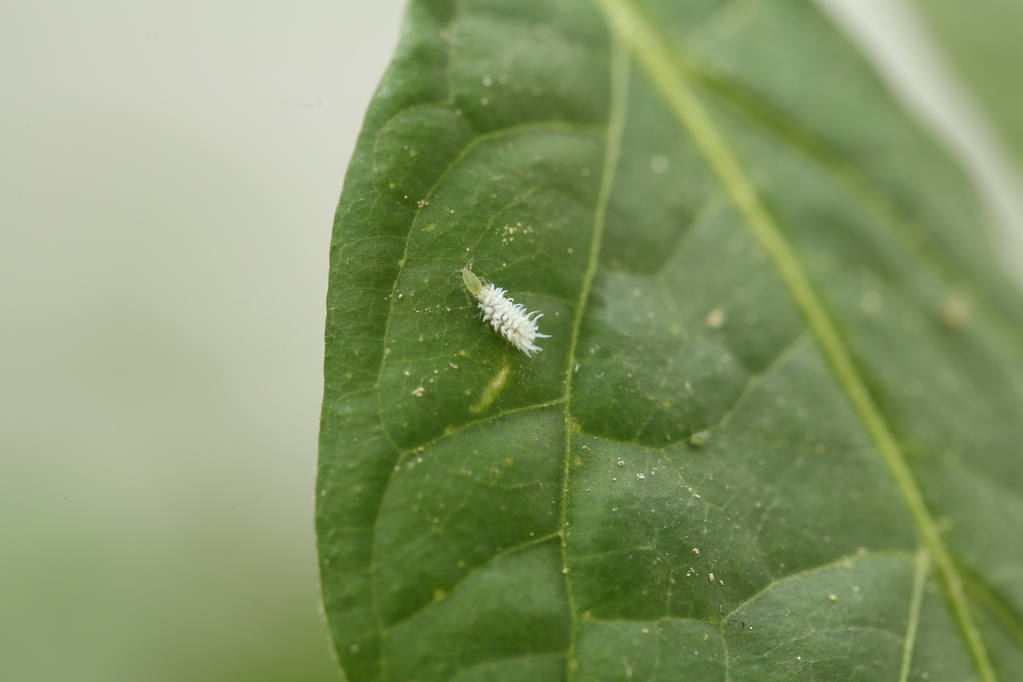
509	318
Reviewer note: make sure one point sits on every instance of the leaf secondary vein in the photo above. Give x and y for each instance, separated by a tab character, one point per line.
473	144
651	51
841	562
996	606
532	542
951	274
923	567
620	66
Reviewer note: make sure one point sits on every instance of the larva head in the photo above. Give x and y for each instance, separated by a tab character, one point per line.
471	281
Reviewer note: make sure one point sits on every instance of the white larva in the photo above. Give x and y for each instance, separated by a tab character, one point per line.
507	317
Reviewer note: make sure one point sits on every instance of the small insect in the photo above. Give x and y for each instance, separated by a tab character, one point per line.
503	313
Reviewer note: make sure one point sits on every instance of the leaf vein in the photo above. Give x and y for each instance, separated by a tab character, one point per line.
619	76
532	542
923	566
651	51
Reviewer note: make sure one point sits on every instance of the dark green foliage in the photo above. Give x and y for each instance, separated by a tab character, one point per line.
684	483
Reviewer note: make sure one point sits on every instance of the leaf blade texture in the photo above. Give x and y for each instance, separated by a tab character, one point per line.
774	432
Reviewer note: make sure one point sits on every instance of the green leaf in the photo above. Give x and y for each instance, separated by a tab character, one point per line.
774	433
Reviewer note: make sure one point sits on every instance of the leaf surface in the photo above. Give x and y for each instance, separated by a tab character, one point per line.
774	431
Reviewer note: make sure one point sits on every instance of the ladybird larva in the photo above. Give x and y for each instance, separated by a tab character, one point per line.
506	316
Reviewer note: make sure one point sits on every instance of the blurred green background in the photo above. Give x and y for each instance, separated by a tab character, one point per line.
168	175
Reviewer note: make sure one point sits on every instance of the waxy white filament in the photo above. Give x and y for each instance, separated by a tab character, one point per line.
509	318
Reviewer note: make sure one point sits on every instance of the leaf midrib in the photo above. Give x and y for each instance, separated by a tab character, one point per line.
650	50
997	327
